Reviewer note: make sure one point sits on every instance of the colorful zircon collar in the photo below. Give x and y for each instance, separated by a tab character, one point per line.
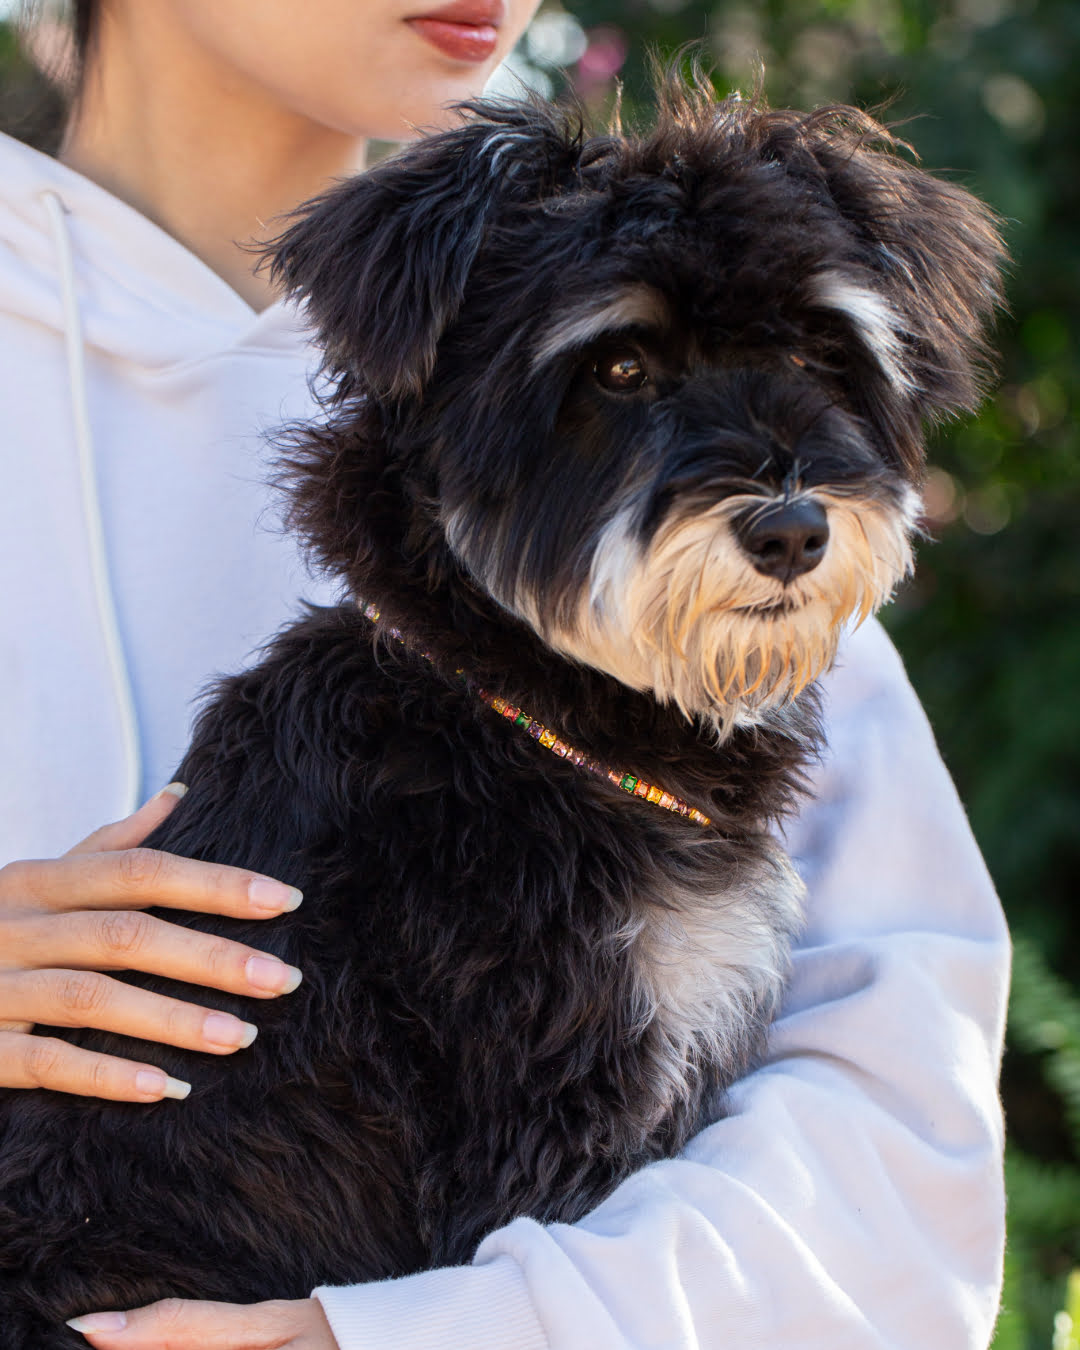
549	740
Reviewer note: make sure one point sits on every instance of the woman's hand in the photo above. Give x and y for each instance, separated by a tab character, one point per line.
177	1324
65	920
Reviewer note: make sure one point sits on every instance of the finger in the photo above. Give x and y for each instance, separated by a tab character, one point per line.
44	1062
133	829
127	939
83	998
181	1324
138	877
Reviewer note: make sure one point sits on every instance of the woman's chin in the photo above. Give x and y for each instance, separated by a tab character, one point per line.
425	102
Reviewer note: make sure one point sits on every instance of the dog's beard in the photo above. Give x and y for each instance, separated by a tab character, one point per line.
689	618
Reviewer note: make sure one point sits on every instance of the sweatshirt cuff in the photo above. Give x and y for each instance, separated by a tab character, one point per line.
485	1307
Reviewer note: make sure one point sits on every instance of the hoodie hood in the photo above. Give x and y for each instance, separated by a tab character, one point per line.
142	295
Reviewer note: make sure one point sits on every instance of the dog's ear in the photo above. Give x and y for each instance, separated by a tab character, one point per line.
937	255
380	262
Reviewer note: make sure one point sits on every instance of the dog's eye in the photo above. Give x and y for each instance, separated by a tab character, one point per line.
620	371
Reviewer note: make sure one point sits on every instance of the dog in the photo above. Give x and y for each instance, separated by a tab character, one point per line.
620	432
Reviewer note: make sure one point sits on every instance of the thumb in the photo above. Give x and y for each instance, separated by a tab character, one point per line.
180	1324
133	829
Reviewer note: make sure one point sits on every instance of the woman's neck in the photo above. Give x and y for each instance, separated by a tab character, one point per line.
203	152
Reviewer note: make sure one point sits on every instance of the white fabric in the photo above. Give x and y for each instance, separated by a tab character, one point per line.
854	1197
92	521
182	376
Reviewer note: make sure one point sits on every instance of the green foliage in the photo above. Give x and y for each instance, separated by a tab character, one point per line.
1044	1019
1044	1196
1067	1322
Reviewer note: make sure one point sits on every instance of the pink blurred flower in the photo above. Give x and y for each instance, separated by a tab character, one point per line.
600	62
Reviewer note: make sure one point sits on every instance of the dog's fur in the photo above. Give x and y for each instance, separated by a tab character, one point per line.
521	983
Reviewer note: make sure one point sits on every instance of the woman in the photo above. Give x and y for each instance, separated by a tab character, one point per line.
853	1197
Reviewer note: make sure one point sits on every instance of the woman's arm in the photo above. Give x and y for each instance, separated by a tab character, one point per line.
853	1199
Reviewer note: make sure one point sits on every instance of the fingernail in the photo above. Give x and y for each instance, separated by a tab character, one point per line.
267	972
173	790
155	1083
227	1031
273	896
107	1321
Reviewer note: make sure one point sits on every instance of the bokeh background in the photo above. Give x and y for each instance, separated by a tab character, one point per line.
987	91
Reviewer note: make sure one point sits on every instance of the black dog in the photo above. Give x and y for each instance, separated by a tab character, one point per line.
622	431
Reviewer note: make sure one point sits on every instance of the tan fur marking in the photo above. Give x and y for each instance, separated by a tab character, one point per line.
638	304
686	619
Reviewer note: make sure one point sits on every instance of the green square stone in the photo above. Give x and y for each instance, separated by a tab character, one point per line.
629	783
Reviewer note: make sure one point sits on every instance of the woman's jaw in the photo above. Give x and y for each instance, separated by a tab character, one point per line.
365	68
215	120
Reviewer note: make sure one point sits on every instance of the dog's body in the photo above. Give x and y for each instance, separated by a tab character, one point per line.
482	939
623	433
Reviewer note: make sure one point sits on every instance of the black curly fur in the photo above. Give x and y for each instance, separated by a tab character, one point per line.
470	1040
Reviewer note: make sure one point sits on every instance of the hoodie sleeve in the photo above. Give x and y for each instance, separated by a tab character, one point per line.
853	1198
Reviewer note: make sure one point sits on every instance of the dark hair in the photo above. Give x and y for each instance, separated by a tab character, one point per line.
36	103
84	22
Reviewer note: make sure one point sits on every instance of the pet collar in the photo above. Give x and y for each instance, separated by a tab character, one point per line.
549	740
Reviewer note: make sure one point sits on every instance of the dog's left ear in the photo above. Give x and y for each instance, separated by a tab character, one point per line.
937	255
381	261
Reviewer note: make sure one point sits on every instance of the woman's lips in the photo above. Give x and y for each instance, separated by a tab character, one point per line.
462	41
465	30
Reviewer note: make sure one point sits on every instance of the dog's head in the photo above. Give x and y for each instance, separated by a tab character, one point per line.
661	397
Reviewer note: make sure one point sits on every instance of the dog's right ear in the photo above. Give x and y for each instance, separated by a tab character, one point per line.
381	261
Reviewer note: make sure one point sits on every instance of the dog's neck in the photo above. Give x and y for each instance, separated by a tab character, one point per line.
549	739
365	507
467	641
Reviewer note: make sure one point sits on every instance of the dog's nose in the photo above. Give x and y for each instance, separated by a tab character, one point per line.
786	540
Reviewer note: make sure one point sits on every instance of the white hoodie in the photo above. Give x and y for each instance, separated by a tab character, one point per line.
181	376
853	1199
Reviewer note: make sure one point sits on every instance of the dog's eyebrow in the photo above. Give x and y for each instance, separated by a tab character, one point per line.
877	323
633	306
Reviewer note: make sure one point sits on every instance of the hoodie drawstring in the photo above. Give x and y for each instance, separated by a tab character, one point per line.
95	533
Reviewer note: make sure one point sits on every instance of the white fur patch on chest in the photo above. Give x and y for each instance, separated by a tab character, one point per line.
710	963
